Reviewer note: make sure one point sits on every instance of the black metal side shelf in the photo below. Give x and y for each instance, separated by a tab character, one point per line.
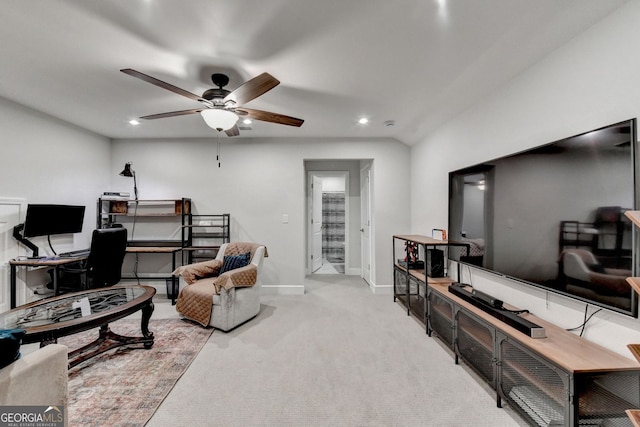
410	285
205	233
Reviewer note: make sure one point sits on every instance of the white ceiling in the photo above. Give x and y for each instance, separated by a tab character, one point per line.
417	62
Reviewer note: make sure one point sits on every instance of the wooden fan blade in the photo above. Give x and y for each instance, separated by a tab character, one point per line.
234	131
172	114
163	85
266	116
252	89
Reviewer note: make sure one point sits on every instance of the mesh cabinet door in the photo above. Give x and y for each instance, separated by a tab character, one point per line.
416	292
399	283
416	296
604	397
441	318
535	388
475	342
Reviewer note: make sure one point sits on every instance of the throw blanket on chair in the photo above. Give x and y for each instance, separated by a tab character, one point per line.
196	303
196	300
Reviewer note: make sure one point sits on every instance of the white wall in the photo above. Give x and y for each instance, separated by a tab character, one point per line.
590	82
45	160
262	179
333	184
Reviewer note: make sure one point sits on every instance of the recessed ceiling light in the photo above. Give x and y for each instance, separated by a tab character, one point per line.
134	122
246	121
363	121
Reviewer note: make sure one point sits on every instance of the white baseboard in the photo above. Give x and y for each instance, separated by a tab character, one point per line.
381	289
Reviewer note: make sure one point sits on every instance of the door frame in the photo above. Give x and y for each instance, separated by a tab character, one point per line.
11	249
309	228
316	224
365	170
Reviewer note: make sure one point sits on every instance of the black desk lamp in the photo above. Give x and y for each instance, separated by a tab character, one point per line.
127	171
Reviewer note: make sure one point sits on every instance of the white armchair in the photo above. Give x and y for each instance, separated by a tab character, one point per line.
37	378
225	300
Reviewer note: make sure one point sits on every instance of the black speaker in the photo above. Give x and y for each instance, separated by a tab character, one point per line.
435	263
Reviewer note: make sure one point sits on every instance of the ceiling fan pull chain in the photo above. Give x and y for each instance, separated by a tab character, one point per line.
218	153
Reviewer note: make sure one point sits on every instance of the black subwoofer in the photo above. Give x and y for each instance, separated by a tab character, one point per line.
435	262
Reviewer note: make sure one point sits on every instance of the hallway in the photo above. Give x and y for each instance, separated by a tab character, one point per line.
329	267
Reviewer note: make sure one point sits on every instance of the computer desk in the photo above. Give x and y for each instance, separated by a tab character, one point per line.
54	262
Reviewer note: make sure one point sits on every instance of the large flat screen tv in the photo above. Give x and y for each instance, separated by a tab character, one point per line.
48	220
553	216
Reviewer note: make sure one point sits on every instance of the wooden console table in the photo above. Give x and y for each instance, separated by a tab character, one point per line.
562	379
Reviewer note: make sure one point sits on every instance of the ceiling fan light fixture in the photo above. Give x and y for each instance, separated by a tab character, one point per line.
219	119
219	111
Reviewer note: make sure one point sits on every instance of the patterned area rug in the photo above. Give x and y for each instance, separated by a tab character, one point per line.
125	386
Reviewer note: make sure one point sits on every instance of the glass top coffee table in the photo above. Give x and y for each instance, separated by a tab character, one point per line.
49	319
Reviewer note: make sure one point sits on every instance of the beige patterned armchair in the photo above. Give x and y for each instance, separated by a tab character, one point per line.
225	300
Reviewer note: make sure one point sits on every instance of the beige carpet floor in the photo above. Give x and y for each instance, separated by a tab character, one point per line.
337	356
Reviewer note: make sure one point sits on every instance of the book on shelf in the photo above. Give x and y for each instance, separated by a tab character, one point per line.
115	195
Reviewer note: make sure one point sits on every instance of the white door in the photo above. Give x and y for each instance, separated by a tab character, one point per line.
11	214
365	223
316	223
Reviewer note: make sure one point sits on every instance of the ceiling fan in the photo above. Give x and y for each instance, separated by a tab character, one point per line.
222	108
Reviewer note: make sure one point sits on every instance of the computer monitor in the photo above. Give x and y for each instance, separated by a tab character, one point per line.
47	220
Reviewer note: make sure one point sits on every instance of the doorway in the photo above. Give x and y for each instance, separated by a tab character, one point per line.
329	221
339	179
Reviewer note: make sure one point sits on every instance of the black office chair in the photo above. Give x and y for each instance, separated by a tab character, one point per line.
103	267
